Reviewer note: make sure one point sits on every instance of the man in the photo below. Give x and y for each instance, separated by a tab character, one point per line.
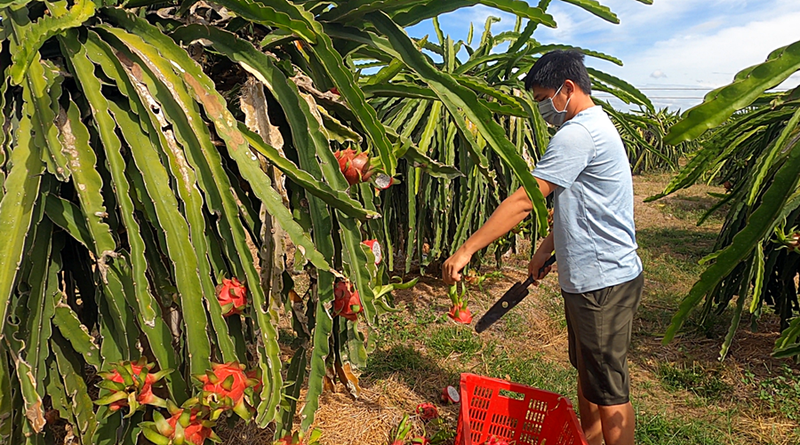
593	235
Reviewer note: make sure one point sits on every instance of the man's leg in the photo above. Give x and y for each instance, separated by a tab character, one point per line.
618	424
590	419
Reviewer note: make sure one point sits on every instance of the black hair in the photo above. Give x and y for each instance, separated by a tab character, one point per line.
555	67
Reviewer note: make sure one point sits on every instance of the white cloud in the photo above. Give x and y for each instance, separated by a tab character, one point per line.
657	74
713	59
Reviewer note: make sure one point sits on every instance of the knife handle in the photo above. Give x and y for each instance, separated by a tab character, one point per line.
550	261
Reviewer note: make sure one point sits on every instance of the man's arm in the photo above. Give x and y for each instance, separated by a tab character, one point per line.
507	215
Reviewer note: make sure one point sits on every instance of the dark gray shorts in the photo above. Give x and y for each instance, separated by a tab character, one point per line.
599	327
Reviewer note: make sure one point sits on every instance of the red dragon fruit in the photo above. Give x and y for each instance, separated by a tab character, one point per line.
426	411
460	313
375	247
450	395
420	440
232	296
224	387
346	301
131	385
354	166
185	426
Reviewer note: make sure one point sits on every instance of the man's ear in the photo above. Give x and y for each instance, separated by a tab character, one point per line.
570	87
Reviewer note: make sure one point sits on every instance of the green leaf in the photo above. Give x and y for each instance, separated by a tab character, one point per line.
321	190
352	9
37	33
748	85
16	207
262	67
274	13
6	398
69	217
409	91
766	161
618	84
758	226
77	334
541	49
31	398
84	421
597	9
437	7
461	101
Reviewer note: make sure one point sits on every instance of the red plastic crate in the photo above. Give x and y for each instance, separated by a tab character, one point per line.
517	413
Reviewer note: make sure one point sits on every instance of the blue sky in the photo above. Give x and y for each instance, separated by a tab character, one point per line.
685	46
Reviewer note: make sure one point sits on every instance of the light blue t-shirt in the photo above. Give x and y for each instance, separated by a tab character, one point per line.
593	226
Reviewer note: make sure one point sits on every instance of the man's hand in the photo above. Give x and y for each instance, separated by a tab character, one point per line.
535	265
451	269
541	256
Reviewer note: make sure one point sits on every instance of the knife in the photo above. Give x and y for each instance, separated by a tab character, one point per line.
511	298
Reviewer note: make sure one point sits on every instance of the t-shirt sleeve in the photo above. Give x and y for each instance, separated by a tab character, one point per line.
567	154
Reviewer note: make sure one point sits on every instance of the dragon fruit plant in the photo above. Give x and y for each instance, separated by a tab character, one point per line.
347	302
232	296
298	438
225	387
131	385
401	432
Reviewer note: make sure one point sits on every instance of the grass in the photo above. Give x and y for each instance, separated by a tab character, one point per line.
681	393
780	392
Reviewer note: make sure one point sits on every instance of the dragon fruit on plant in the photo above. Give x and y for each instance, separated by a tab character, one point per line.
347	302
131	385
185	426
356	169
232	296
354	166
224	387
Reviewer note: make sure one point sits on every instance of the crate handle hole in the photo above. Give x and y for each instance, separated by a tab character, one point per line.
512	394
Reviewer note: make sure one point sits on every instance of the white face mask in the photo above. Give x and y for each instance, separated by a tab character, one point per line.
549	112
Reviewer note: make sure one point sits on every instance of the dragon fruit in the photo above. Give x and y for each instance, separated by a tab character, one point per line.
460	313
426	411
131	385
375	247
346	301
450	395
185	426
354	166
420	440
224	388
232	296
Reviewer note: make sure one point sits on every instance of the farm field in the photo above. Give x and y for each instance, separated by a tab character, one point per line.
682	394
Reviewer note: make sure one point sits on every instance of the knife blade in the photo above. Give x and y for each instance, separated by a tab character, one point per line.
511	298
